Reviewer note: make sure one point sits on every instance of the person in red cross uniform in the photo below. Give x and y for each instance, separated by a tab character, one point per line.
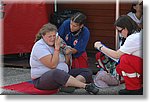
130	55
76	35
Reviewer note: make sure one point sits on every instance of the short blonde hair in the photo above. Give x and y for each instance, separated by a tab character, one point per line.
45	28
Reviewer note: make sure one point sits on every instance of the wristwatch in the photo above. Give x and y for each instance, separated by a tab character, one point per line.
100	47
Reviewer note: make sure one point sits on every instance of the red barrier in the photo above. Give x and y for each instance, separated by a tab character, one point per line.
21	24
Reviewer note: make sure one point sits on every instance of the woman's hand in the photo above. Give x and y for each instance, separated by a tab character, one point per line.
68	51
57	42
97	44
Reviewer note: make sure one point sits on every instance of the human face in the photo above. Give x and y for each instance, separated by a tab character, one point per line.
75	26
139	8
122	31
49	38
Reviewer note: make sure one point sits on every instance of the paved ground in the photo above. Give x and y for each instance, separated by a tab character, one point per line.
17	75
17	70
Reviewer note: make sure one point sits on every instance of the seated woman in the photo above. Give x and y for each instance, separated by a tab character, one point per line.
49	70
130	55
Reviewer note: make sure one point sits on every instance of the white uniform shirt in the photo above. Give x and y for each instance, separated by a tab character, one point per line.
133	16
133	45
39	50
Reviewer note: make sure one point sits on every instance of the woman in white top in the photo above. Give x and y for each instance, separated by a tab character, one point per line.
130	55
49	70
136	13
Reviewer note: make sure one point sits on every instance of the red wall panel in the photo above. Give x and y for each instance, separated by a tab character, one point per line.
21	24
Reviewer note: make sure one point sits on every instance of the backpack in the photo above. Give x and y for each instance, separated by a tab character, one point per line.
105	63
59	17
106	76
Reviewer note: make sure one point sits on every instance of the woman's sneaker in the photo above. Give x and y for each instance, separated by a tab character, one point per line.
91	89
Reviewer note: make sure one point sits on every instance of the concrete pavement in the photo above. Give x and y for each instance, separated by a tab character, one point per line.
16	75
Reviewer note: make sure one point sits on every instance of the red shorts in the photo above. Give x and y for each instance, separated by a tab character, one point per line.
80	62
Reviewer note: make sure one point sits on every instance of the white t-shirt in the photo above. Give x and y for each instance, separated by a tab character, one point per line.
133	16
39	50
133	45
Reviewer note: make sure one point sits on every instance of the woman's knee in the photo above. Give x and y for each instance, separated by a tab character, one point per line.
124	58
87	74
89	71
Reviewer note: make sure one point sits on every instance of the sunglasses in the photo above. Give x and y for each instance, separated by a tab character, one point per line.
120	30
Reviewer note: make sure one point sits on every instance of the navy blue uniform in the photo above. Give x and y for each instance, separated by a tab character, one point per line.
77	42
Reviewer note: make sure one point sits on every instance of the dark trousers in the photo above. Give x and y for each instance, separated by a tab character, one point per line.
56	78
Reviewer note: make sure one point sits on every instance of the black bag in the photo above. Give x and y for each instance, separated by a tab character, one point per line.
59	17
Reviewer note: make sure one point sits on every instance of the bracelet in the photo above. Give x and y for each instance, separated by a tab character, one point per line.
100	48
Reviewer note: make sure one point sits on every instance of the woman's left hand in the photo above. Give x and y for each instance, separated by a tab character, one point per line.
57	42
68	51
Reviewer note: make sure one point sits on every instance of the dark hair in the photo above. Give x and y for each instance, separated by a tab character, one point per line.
45	28
125	21
79	18
134	4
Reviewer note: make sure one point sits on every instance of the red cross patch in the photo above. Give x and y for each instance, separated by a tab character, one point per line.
75	42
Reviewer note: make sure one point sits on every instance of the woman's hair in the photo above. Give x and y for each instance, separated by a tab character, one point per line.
45	28
125	21
79	18
134	4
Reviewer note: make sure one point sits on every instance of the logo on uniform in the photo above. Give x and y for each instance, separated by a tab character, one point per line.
75	42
